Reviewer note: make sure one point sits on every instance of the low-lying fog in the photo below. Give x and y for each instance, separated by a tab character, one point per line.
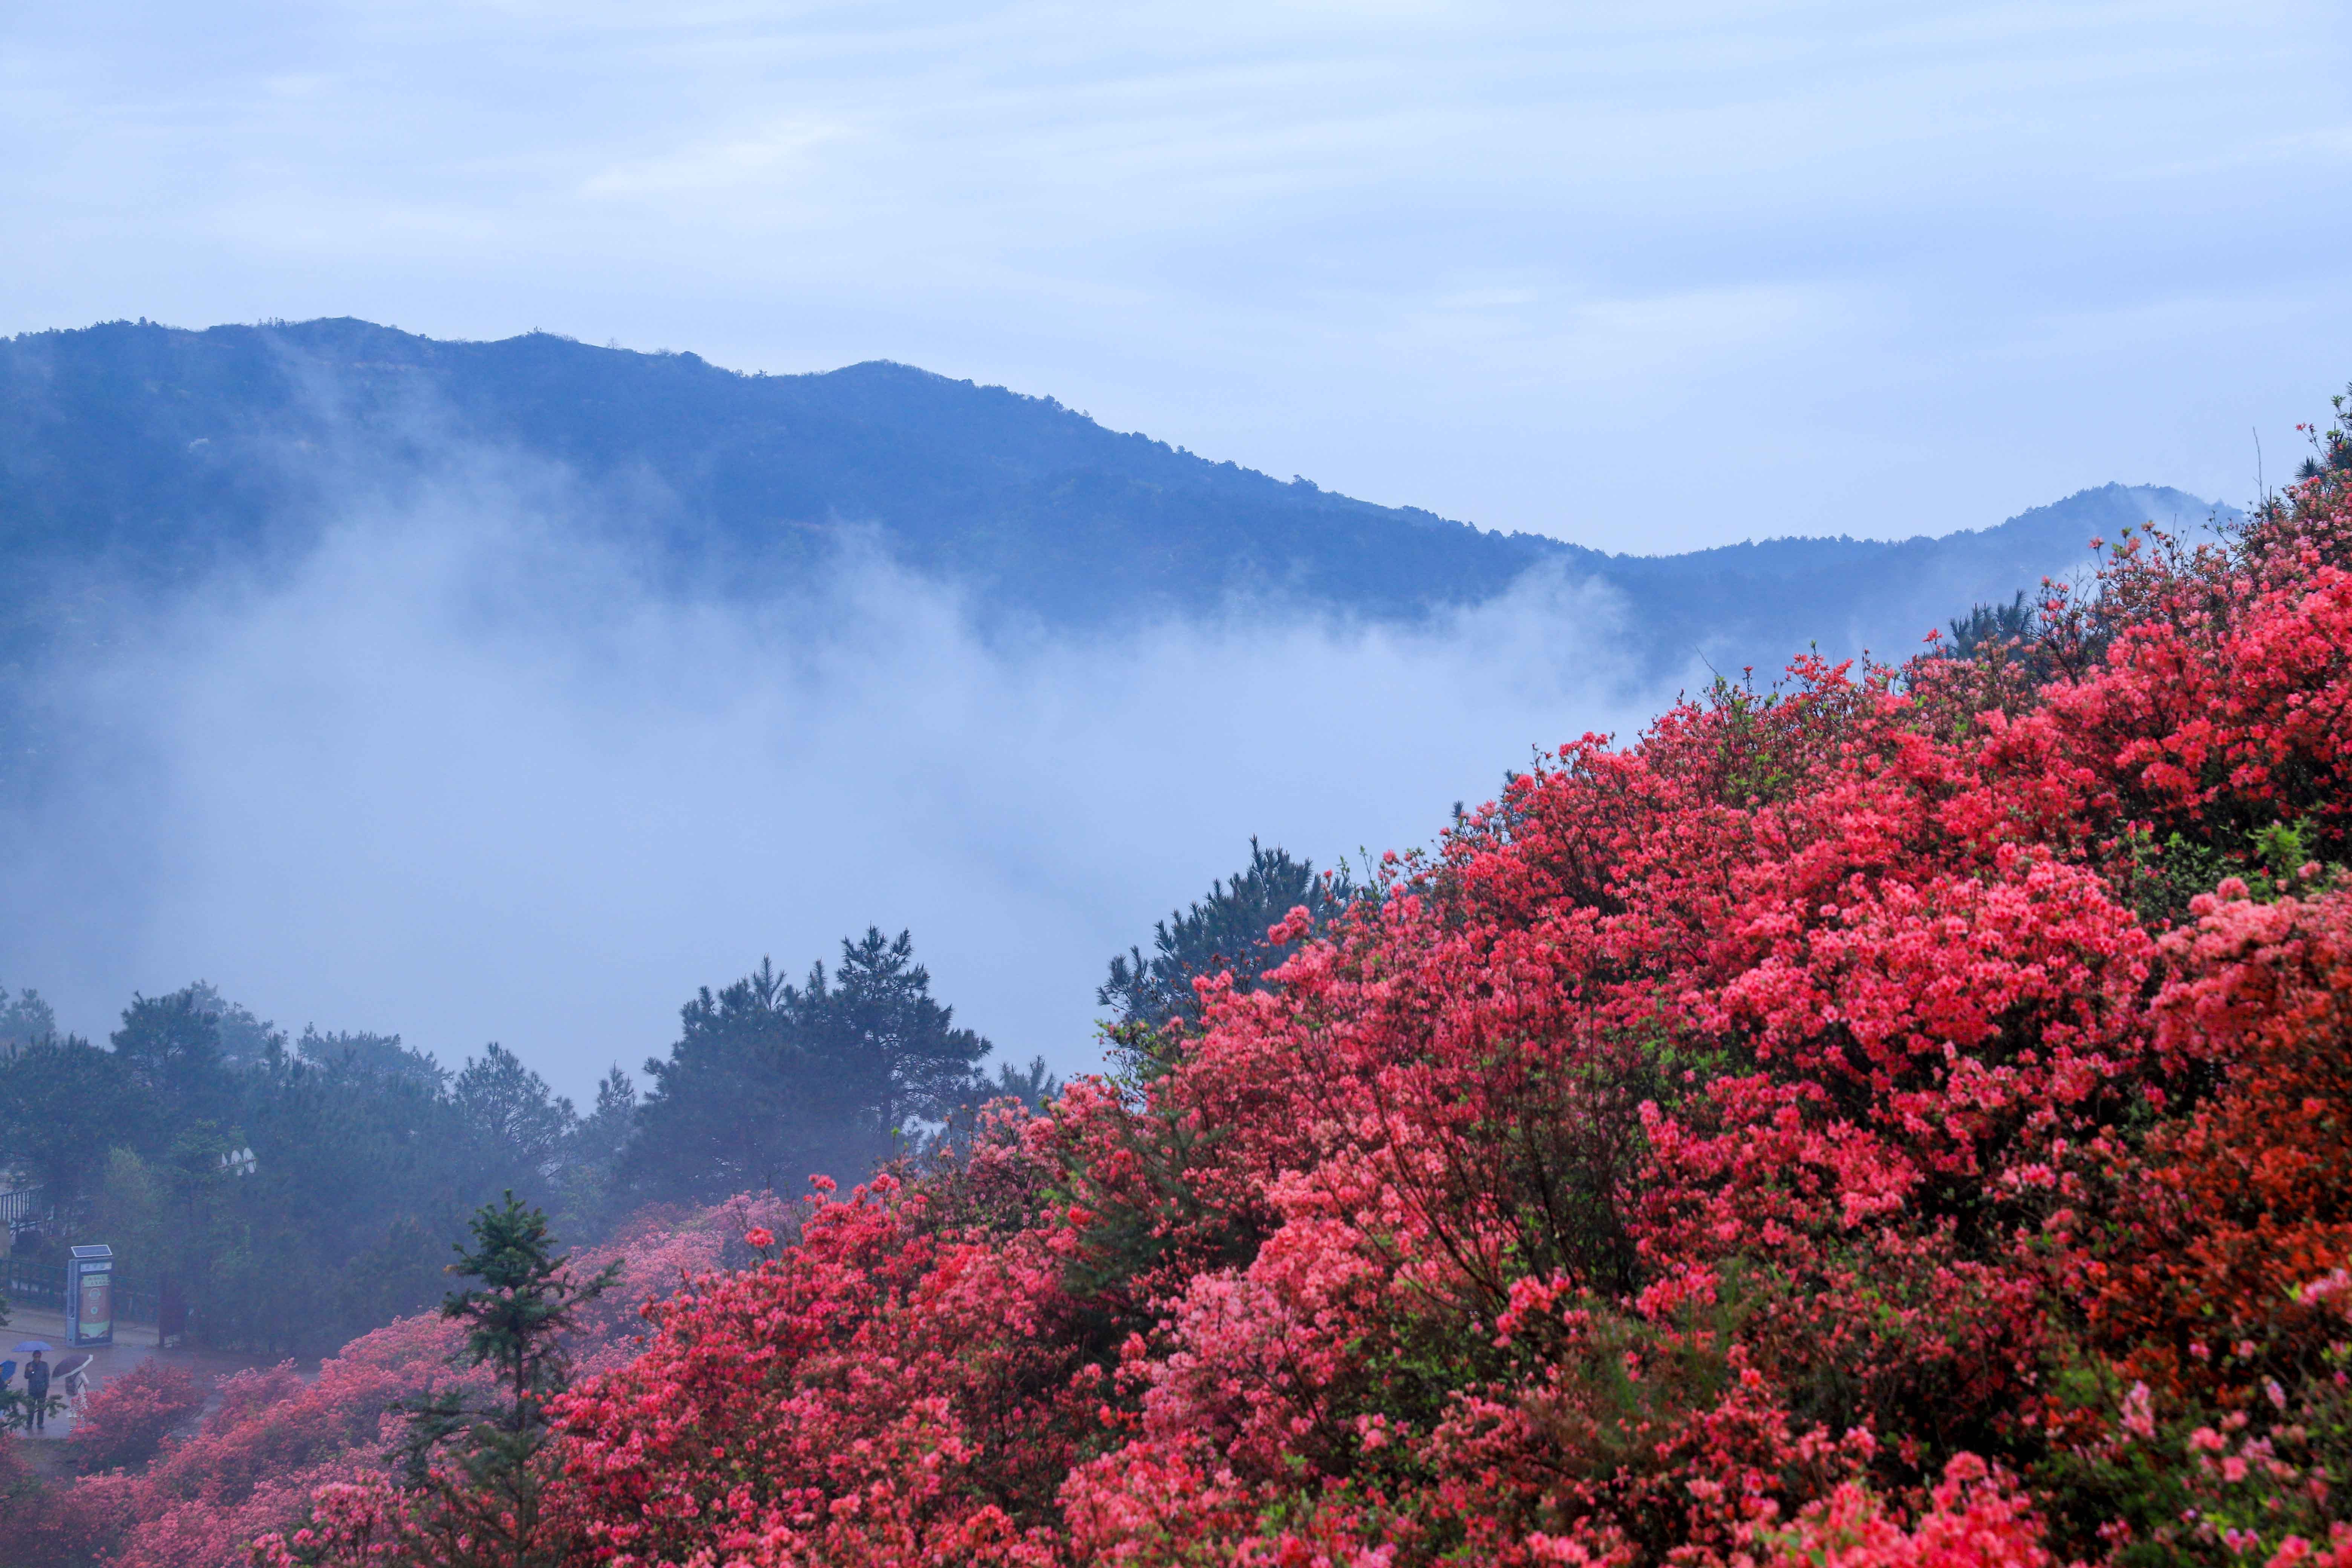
462	775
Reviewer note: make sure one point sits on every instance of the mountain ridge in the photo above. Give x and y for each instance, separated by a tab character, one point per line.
164	453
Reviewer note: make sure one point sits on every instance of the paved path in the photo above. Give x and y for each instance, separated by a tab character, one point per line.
134	1342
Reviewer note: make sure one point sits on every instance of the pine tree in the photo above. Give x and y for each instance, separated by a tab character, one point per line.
770	1082
477	1472
519	1124
899	1053
1226	931
173	1048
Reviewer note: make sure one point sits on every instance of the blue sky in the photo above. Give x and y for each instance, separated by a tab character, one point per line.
1646	276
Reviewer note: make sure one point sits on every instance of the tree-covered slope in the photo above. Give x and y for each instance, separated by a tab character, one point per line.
168	449
140	454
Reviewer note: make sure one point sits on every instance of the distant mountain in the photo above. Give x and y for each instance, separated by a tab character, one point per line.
1759	603
132	453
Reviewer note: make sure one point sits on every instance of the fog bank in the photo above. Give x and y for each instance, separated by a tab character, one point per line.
460	774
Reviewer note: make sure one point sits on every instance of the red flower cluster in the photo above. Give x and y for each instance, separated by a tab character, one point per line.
125	1419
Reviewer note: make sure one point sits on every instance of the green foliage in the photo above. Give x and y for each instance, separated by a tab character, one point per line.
2170	1495
1225	930
2162	877
133	1208
2331	448
64	1102
475	1466
1034	1086
514	1319
1753	769
366	1056
2279	851
170	1046
588	1196
366	1157
770	1082
246	1041
2165	876
1992	626
1766	741
16	1408
515	1119
24	1019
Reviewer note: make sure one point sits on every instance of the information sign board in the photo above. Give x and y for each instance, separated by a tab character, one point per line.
89	1294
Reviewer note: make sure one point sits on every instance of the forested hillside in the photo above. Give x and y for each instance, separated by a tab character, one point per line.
278	1195
272	1194
144	456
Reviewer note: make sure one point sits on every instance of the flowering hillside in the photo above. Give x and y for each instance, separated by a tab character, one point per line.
1898	1118
274	1440
1902	1118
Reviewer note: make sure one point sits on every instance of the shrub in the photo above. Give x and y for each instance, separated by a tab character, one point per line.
275	1439
125	1419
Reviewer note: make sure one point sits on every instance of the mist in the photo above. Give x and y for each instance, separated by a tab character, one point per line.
463	772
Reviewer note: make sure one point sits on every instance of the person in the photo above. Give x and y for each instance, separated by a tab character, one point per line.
37	1384
73	1382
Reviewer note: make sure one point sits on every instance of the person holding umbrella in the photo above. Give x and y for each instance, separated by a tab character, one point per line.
37	1384
73	1377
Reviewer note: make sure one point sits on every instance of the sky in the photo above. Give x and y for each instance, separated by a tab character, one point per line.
1650	277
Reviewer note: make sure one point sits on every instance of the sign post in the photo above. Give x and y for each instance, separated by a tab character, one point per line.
89	1294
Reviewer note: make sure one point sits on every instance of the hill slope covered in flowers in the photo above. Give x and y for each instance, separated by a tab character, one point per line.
1903	1118
1898	1118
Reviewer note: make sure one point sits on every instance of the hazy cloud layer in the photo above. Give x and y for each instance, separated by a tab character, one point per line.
1880	270
460	776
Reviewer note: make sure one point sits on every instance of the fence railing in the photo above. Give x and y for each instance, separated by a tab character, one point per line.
23	1209
30	1284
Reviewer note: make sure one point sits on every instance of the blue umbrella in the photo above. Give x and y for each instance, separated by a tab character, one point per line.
30	1345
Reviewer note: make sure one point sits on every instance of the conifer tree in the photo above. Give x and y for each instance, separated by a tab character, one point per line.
1226	931
770	1082
474	1470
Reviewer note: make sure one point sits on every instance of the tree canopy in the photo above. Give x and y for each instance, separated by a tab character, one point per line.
1224	931
770	1082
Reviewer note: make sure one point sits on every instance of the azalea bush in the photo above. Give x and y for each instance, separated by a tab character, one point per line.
125	1419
